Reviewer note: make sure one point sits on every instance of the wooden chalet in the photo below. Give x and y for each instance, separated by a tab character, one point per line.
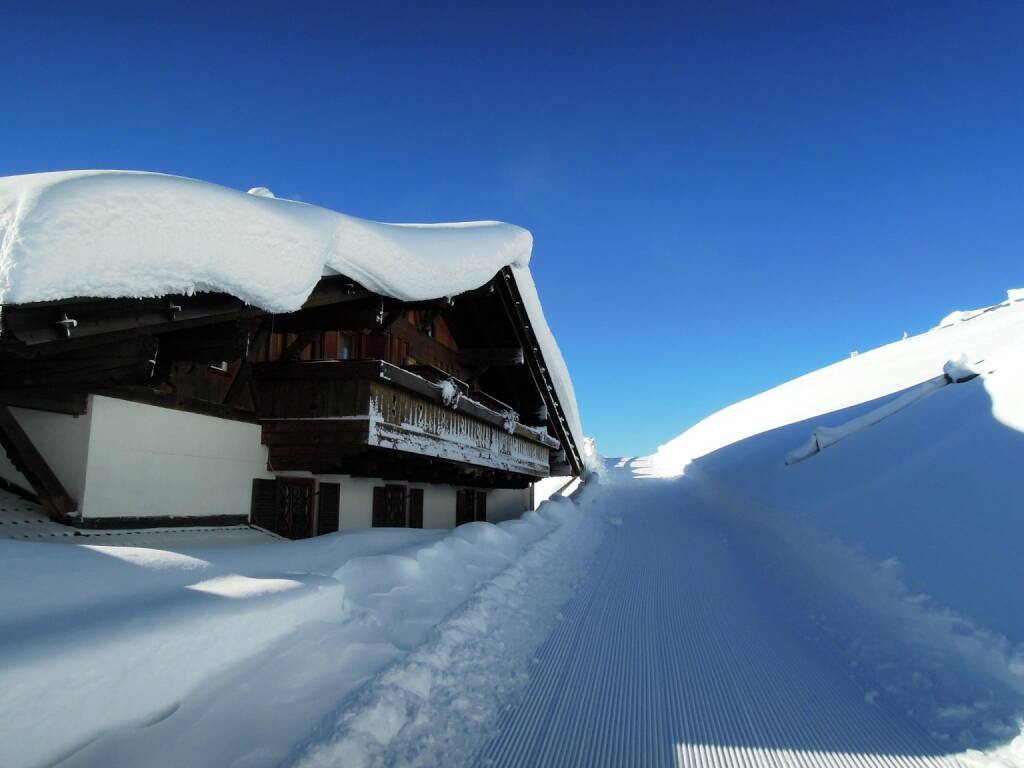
357	410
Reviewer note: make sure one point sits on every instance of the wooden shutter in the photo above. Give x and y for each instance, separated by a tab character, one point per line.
389	507
464	503
379	506
264	495
415	507
328	504
481	506
397	515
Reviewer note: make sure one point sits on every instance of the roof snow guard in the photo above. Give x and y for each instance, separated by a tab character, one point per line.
130	234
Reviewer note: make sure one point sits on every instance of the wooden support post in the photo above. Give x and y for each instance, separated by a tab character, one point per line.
27	460
244	373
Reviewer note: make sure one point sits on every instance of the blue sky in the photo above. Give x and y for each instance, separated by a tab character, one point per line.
722	196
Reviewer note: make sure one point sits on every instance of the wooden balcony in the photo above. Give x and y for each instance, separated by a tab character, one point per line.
373	418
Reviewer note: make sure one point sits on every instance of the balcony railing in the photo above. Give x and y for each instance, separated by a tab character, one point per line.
320	416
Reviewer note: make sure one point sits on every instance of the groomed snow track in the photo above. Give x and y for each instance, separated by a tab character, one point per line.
680	651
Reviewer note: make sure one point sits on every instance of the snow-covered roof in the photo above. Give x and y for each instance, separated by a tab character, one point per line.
117	234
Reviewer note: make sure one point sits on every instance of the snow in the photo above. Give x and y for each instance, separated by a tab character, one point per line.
710	605
869	376
823	437
450	394
910	515
110	234
961	370
859	608
214	657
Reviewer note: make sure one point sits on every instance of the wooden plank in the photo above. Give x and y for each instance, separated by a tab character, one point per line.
26	459
464	506
17	490
34	324
328	507
264	495
415	507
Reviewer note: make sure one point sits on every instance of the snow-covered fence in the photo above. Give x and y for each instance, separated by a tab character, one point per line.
955	371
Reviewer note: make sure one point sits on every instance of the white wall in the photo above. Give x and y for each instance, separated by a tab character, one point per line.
356	500
438	505
62	440
125	459
149	461
507	503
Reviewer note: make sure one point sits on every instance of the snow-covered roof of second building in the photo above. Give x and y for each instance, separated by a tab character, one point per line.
115	234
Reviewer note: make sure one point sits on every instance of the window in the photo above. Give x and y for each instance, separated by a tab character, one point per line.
346	347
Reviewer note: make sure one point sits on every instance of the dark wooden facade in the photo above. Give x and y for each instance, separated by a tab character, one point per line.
452	390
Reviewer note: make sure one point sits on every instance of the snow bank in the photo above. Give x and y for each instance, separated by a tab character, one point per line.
111	234
216	657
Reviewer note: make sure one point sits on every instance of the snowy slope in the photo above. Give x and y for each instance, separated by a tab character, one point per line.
926	475
110	234
865	377
901	492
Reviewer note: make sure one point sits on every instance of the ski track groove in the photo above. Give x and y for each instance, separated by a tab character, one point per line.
666	657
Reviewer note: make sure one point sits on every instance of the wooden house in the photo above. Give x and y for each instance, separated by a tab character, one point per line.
354	409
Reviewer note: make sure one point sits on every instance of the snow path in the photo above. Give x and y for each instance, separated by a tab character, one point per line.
678	651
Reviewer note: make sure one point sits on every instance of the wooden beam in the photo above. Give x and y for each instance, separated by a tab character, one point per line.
72	402
17	490
26	459
492	356
243	376
49	321
508	291
294	350
357	312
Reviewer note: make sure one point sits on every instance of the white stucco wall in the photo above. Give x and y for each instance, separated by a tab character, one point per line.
357	501
507	503
62	440
125	459
438	505
146	461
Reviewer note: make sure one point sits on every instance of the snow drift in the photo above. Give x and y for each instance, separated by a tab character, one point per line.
205	656
112	234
